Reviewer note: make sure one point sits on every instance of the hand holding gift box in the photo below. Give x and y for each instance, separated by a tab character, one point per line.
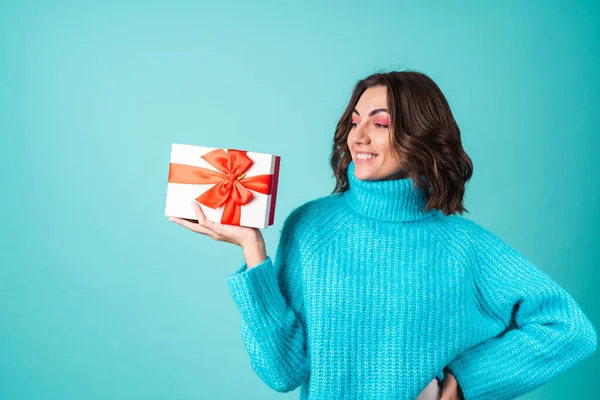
233	187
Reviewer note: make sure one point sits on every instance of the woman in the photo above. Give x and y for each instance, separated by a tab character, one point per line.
380	290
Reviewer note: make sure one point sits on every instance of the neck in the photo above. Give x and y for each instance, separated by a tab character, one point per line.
387	200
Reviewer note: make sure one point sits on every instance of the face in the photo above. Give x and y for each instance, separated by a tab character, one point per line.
370	136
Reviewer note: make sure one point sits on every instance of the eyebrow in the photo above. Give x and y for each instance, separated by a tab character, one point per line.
373	112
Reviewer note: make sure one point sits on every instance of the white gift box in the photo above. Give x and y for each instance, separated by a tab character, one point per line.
239	187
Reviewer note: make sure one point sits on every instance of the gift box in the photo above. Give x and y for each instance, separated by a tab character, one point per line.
234	187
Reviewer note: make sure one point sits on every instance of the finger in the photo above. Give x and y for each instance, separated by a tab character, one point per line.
448	390
445	390
198	211
203	221
443	395
184	222
207	232
195	227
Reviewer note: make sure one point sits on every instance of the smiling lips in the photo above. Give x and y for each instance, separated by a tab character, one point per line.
365	157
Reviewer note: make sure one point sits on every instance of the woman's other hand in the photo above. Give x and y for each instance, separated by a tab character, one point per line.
450	388
245	237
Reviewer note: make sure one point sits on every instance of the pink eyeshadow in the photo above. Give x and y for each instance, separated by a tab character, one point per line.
382	121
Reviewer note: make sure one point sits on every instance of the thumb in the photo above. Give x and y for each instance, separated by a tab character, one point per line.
202	220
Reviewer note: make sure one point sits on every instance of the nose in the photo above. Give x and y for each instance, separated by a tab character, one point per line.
360	134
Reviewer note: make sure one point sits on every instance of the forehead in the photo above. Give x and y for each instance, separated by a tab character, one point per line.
373	97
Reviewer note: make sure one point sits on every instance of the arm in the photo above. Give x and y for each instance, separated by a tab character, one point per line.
546	332
269	298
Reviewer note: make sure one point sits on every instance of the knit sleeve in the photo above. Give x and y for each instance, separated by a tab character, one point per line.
269	298
546	332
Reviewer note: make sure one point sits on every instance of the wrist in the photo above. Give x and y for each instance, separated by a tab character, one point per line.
253	239
255	253
253	243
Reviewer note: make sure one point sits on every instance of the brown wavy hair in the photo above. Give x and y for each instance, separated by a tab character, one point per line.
425	136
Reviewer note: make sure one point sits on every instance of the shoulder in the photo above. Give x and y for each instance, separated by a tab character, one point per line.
313	207
313	212
467	230
483	244
311	221
464	236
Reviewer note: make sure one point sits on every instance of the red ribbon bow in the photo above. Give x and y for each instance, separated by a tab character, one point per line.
231	184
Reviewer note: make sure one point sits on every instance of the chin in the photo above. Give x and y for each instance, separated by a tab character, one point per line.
364	176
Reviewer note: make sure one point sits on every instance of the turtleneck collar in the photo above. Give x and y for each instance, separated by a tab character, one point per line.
386	200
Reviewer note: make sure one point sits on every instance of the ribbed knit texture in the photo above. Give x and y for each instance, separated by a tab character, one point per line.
370	297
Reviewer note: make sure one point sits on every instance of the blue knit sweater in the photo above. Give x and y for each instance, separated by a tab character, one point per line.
370	297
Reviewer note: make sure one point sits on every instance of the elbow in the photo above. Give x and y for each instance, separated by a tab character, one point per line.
285	385
570	341
283	388
587	339
582	338
576	336
282	378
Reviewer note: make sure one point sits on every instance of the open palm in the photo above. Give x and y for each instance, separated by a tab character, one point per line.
239	235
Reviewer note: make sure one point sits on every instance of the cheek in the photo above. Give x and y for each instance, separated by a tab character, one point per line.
382	144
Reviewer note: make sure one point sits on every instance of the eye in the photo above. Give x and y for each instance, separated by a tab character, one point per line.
381	126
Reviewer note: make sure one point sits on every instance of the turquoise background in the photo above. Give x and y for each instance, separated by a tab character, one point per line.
101	297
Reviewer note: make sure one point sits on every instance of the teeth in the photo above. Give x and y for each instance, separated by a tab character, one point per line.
365	156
